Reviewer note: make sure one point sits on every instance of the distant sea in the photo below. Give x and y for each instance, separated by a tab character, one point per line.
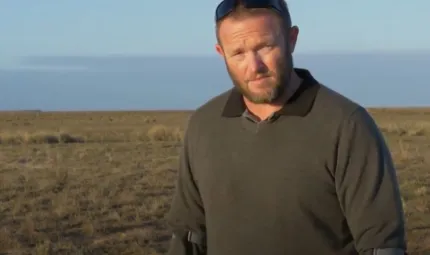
147	83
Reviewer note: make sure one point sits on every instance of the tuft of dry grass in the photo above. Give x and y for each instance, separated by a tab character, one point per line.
164	133
406	129
39	137
104	186
157	132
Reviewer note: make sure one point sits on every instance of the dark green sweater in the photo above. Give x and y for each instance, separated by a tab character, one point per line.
316	179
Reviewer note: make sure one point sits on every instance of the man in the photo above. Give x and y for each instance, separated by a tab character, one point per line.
281	164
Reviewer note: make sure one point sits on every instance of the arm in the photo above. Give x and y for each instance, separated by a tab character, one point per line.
367	188
186	215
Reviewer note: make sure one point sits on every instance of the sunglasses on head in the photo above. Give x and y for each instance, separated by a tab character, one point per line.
227	6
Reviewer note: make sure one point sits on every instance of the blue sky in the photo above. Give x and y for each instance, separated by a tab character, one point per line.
168	28
144	27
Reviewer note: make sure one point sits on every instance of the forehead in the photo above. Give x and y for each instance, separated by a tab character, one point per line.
262	25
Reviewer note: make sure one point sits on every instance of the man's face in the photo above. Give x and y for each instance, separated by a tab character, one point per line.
257	54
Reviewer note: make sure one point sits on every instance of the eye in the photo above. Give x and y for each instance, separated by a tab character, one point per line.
267	47
237	55
237	52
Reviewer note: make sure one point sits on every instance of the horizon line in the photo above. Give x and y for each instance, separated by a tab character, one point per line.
392	107
326	52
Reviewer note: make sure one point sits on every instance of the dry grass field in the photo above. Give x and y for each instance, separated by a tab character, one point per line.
101	182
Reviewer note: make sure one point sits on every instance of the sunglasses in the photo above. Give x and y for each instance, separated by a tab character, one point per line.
227	6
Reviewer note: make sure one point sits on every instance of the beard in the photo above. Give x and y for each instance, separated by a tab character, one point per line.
272	87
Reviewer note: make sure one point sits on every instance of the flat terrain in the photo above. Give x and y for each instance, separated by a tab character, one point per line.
101	182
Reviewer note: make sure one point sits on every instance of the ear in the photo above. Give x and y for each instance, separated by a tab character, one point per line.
219	49
292	38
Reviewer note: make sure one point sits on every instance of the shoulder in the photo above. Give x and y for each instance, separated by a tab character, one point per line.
337	105
214	106
209	111
342	105
343	116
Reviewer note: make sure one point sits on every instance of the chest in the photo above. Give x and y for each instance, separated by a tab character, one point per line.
261	169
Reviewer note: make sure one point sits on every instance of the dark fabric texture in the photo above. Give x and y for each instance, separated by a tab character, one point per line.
180	245
317	179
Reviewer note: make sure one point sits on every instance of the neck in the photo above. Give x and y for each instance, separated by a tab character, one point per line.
263	111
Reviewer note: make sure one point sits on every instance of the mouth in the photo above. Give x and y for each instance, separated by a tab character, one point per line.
259	78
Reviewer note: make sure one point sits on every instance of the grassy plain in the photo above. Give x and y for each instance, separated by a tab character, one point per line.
101	182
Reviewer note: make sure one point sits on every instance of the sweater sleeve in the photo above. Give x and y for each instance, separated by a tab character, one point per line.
186	217
367	187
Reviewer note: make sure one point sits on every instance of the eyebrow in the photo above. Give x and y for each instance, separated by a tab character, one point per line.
266	40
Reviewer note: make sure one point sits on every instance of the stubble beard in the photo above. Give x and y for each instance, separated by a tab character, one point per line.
274	91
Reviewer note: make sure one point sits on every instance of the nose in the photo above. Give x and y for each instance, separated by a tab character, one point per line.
255	63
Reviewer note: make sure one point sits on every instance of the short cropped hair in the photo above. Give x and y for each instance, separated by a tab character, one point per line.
241	11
